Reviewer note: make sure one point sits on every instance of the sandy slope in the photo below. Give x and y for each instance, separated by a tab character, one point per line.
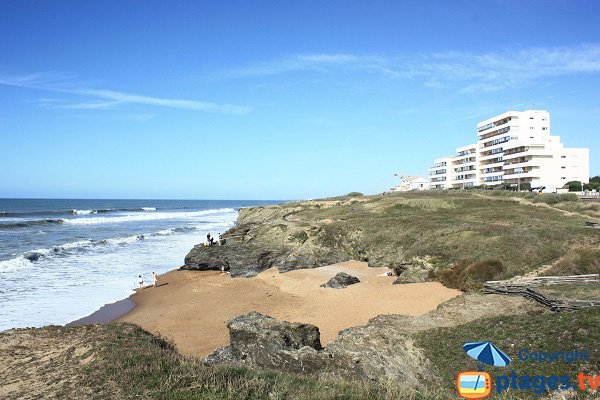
192	308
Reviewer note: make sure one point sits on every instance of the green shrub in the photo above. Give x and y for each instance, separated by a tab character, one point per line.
553	198
354	194
471	274
547	198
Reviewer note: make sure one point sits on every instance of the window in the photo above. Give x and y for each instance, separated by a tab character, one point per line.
530	117
563	156
544	128
563	177
563	167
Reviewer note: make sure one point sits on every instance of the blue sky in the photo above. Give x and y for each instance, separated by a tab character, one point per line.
276	99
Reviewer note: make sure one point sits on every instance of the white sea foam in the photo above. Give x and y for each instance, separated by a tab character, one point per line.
145	217
84	212
28	258
14	264
148	209
122	241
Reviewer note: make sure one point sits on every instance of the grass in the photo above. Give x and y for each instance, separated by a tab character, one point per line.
145	366
541	332
589	291
580	260
452	225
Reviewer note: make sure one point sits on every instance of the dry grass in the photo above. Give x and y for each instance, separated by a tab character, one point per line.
451	225
147	366
471	274
580	260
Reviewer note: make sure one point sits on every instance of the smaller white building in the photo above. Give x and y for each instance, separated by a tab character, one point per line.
408	183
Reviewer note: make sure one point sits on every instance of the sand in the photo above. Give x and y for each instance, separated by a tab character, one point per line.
192	308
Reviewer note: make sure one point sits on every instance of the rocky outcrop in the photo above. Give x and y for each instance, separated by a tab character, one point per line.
384	350
365	353
340	281
307	234
272	236
263	341
417	270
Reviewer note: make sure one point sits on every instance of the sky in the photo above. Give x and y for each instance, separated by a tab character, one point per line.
276	99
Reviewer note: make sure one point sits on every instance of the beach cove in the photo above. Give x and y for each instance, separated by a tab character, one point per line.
192	307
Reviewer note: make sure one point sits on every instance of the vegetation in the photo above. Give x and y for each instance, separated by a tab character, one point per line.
540	332
451	226
571	292
470	274
575	186
354	194
580	260
137	364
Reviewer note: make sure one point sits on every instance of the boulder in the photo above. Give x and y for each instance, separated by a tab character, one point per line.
340	281
412	275
240	259
260	340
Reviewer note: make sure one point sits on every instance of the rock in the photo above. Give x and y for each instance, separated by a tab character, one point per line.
415	271
260	340
340	281
266	236
412	275
376	352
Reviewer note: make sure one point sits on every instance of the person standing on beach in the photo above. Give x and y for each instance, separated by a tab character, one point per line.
140	281
155	278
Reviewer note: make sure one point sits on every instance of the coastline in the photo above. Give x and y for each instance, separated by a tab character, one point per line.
107	313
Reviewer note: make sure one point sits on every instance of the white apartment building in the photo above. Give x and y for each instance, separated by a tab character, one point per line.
512	147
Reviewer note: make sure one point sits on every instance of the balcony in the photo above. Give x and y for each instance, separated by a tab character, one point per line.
491	156
493	179
493	163
438	172
497	132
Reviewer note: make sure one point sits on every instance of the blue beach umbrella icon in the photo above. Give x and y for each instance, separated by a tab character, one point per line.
487	353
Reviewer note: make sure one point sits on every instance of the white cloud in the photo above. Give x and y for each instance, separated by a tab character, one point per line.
490	71
94	99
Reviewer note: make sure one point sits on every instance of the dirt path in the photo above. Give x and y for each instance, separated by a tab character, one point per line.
192	308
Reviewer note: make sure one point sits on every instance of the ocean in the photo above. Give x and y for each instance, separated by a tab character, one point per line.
61	260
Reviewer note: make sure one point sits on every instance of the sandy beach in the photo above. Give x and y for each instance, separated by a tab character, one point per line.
192	308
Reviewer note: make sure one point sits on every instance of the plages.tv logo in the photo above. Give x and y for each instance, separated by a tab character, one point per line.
478	384
474	384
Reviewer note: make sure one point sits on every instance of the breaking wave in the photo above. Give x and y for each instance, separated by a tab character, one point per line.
146	216
23	223
30	257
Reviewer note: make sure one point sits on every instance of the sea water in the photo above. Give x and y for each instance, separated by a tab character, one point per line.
63	259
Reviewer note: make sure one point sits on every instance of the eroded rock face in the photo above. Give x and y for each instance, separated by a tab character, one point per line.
340	281
269	236
366	353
